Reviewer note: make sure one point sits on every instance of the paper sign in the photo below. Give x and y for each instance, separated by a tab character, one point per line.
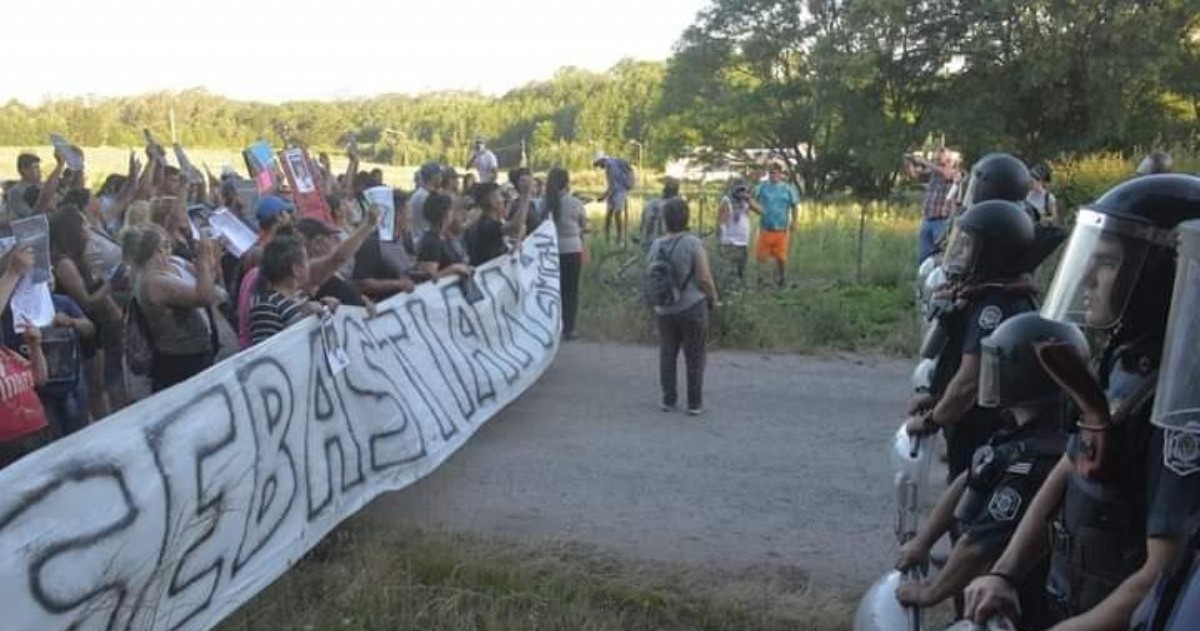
247	193
297	166
338	360
35	231
31	302
237	236
261	163
306	192
70	155
382	198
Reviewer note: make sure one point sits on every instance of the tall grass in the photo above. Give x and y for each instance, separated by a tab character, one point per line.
381	579
824	307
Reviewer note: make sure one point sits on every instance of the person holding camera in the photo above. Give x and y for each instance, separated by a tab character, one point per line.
940	176
733	226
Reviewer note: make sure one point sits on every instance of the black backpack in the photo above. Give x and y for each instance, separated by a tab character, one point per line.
661	288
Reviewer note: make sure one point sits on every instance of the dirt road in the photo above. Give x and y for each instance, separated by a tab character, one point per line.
788	468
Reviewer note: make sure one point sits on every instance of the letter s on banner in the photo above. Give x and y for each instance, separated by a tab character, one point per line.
177	510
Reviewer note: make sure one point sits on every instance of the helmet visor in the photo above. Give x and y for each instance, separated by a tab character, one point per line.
1177	400
990	367
1099	270
962	251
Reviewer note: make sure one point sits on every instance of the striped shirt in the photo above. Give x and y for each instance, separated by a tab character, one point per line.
273	313
937	200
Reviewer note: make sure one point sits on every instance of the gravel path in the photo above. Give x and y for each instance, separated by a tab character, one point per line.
788	468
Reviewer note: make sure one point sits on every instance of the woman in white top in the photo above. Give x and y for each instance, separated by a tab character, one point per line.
570	219
733	226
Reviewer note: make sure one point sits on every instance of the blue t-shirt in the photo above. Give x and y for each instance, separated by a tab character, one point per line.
777	200
614	173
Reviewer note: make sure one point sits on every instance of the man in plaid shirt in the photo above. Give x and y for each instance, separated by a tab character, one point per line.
938	207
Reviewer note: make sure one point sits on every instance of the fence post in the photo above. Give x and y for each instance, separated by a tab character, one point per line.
862	229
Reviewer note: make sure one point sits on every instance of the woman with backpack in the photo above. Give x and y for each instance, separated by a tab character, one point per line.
682	291
173	307
570	219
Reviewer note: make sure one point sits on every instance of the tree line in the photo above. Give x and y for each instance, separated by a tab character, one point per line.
840	88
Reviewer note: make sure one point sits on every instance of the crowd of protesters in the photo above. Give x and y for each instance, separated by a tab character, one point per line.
146	294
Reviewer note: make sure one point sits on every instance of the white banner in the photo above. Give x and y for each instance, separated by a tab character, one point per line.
174	512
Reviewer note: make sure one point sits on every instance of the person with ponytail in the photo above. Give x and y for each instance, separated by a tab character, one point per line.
570	220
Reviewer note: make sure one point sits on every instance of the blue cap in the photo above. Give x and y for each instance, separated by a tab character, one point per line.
270	206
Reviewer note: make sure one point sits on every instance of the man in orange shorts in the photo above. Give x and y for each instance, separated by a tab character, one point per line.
776	201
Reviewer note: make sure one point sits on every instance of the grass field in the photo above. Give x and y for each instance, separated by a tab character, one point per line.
824	307
101	161
371	579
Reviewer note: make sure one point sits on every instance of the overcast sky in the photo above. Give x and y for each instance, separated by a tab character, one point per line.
269	50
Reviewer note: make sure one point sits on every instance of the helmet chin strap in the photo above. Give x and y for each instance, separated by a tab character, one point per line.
1064	364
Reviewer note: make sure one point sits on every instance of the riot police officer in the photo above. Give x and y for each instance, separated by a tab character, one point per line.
1174	603
1116	276
987	500
997	176
986	287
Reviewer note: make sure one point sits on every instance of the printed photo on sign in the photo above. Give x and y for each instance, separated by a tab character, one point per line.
298	165
384	202
237	237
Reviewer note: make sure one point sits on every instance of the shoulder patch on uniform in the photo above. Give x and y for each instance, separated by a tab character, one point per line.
990	317
1005	504
1023	467
1181	452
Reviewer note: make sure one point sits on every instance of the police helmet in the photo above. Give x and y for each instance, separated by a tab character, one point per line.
989	241
1010	373
1119	266
998	176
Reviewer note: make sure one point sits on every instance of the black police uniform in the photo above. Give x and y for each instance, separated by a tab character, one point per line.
1174	602
1098	538
1004	477
965	329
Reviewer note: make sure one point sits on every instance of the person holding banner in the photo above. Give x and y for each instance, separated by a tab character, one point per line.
485	237
281	300
436	257
570	219
383	269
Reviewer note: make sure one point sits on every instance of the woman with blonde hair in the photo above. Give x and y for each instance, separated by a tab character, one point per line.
175	305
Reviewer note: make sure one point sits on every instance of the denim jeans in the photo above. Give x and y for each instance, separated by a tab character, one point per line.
66	412
928	237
